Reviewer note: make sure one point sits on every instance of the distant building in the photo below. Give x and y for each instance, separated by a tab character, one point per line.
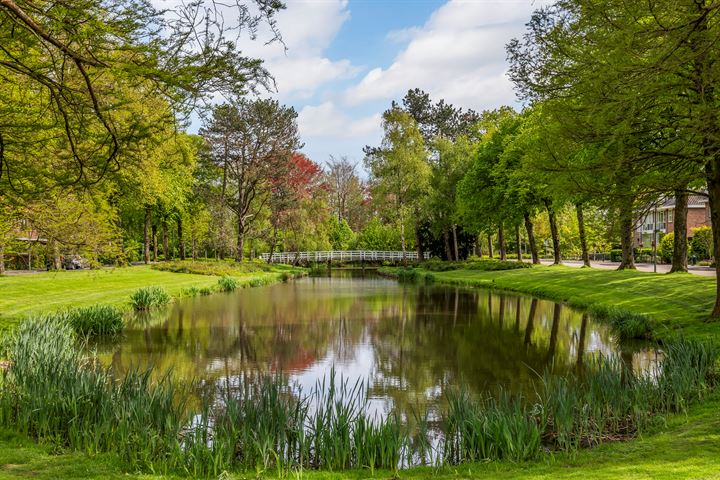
698	216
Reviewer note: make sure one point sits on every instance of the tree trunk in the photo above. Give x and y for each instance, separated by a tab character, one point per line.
490	245
419	247
448	250
402	239
166	247
181	240
194	247
554	233
2	259
272	244
517	243
626	234
501	243
240	241
57	260
679	256
146	235
154	243
712	172
531	240
455	242
583	237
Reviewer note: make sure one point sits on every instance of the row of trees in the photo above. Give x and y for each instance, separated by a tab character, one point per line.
621	112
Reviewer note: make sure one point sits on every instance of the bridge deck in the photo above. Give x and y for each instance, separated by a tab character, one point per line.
340	256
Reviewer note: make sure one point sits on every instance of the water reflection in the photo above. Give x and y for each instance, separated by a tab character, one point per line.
409	342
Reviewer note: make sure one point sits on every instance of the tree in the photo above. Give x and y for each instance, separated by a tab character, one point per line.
290	189
399	167
342	179
642	75
71	65
251	142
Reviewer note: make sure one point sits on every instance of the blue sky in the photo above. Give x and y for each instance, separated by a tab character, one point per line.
346	60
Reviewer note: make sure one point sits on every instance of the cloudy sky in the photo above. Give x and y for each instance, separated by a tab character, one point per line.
346	60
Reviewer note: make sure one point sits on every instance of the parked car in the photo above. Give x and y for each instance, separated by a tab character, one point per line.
74	262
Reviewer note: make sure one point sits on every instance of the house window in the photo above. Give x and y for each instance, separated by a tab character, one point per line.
670	215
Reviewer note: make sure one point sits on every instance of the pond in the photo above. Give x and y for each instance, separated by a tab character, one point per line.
408	343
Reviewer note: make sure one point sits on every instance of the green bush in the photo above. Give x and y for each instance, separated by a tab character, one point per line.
227	284
149	297
666	247
615	255
702	243
95	320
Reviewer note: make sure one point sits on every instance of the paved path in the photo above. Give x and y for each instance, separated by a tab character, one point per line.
641	267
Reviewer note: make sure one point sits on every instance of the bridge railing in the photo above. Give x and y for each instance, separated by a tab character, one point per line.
340	256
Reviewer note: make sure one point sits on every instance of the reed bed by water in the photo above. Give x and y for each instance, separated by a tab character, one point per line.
95	320
227	284
51	391
149	297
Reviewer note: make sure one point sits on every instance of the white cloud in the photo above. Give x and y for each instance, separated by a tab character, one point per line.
458	55
327	120
308	27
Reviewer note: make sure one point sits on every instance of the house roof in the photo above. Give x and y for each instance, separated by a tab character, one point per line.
694	201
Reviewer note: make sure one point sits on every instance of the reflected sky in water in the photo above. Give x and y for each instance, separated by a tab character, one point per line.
409	343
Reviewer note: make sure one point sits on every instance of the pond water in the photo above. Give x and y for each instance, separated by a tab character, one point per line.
408	343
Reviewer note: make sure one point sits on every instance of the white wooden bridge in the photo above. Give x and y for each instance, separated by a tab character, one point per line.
340	256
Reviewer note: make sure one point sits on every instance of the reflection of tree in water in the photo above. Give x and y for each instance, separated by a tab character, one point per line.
474	338
423	339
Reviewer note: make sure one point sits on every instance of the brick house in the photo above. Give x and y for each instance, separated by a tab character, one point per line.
698	216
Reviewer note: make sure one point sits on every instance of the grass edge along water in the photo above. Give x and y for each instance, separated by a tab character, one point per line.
54	392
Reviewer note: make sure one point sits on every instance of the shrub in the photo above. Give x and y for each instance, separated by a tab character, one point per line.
615	255
227	284
149	297
666	247
95	320
702	244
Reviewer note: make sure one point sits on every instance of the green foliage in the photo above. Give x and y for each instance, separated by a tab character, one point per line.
702	243
95	320
340	234
225	268
227	284
379	236
478	264
53	394
666	247
149	297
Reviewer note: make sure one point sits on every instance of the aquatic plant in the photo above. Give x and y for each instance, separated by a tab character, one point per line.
95	320
149	297
53	392
227	284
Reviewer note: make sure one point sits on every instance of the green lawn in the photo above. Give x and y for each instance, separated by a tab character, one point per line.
678	302
23	295
689	447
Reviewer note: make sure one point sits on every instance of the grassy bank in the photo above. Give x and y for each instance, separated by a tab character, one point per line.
688	447
25	295
676	303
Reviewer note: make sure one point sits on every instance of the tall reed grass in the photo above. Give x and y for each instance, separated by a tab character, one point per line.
149	297
95	320
51	391
227	284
